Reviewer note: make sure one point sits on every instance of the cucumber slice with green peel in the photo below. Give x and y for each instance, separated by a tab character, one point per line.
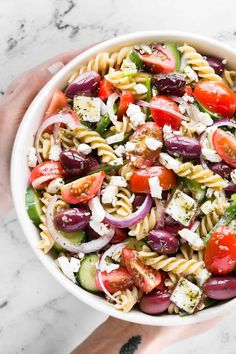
74	237
86	275
204	110
33	206
135	58
135	244
174	50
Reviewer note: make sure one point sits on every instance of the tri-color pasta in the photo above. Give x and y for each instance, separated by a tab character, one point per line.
131	183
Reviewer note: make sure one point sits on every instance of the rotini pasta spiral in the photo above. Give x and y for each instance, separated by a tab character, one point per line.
45	143
120	81
173	309
126	172
198	63
170	264
171	281
96	142
229	77
199	174
142	229
127	299
122	205
47	242
122	126
208	221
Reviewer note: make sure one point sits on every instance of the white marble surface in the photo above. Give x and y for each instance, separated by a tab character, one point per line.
36	314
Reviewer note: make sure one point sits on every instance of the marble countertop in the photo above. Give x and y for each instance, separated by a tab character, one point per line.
32	303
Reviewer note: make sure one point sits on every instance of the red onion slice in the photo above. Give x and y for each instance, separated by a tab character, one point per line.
40	180
132	219
102	262
87	247
219	123
64	117
155	105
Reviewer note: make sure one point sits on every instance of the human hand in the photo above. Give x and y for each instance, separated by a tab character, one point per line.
13	105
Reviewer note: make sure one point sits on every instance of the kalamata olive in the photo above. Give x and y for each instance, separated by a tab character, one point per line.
72	219
163	242
168	84
120	235
85	84
138	199
170	221
154	304
91	233
222	169
183	146
74	163
92	162
220	288
230	189
216	64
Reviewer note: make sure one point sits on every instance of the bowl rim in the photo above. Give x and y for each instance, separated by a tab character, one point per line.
24	221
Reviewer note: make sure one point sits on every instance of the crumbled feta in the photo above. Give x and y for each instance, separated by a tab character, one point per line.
54	153
75	264
115	138
186	295
191	74
55	185
196	116
32	157
186	98
117	162
84	149
168	161
88	108
137	117
198	128
192	238
120	150
130	146
108	267
155	188
128	66
98	213
167	132
208	150
202	276
133	109
210	155
100	228
153	144
140	89
108	194
66	267
233	176
118	181
181	207
143	48
207	207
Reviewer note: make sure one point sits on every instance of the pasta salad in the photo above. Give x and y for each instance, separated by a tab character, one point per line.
133	175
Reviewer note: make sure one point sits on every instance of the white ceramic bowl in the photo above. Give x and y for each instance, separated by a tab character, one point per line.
20	172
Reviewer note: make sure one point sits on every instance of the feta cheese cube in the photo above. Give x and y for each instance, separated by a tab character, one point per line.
75	264
133	109
130	146
118	181
66	267
32	157
84	149
98	213
140	88
54	153
186	295
153	144
120	150
168	161
55	185
88	108
207	207
192	238
100	228
181	207
137	119
117	162
115	138
108	194
155	188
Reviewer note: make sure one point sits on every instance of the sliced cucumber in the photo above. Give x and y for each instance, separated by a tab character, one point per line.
33	206
86	275
203	109
74	237
134	243
174	50
135	58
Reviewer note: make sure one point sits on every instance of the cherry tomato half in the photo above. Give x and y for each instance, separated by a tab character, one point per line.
125	99
118	279
139	179
105	90
51	169
225	145
142	156
144	277
216	97
160	61
220	253
167	117
82	189
57	104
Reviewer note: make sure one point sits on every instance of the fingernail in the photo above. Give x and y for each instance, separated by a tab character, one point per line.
54	68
